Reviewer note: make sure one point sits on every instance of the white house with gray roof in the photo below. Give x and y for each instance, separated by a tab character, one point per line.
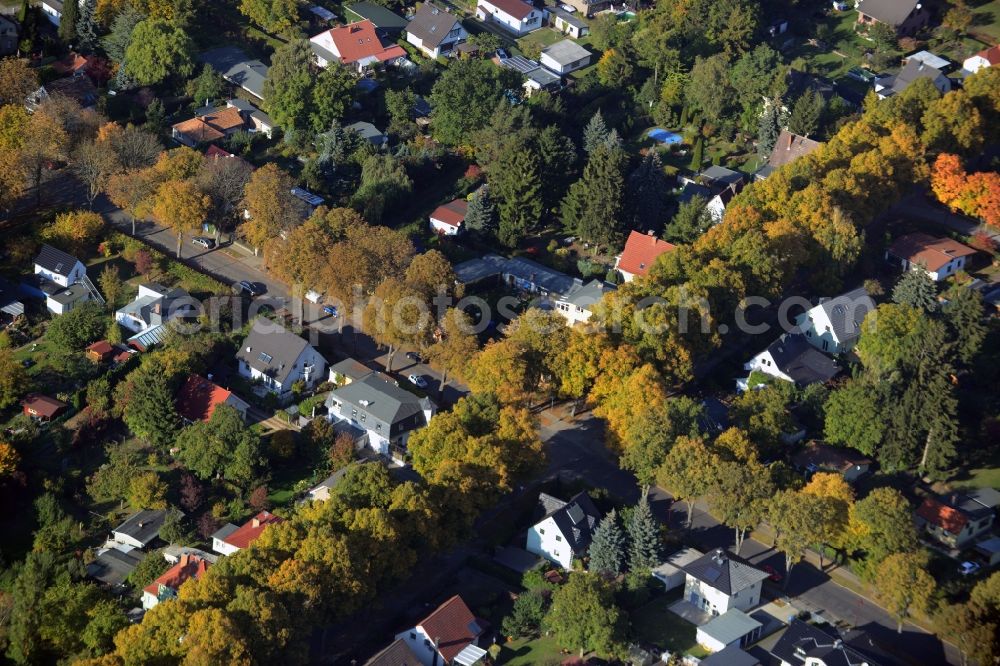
565	529
387	412
834	325
434	31
277	358
719	581
577	305
155	306
564	57
61	279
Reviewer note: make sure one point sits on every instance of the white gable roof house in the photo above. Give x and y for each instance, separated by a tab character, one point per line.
154	306
835	324
720	581
791	358
565	530
512	15
577	304
434	31
61	279
277	358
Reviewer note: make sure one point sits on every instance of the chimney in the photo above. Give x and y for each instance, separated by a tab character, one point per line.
255	522
650	232
185	559
790	138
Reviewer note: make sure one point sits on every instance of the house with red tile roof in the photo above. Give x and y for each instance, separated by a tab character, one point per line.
449	635
447	219
355	44
166	586
985	58
514	16
956	520
641	250
231	538
209	124
100	352
940	257
42	407
198	398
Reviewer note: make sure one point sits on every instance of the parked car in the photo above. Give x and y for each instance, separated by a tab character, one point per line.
418	381
414	356
569	9
252	289
968	568
207	243
331	310
27	363
502	54
772	573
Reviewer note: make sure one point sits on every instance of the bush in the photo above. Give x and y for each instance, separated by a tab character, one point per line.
525	617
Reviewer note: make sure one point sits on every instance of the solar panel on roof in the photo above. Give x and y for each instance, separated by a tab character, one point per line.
711	574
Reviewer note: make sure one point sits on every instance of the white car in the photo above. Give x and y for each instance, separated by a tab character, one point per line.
968	568
418	381
569	9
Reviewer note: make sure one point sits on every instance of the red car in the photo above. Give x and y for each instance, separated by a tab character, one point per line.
772	574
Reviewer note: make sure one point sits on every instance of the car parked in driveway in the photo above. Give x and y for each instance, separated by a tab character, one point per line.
417	381
414	356
968	568
331	310
251	289
203	241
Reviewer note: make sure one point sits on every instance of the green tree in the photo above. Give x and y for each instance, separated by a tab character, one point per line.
112	479
687	472
383	184
222	447
643	537
647	194
904	585
13	379
149	406
916	289
77	328
653	431
517	190
289	84
595	133
67	22
86	26
24	642
150	567
147	491
157	50
964	315
881	524
768	129
690	221
116	41
854	417
481	216
526	615
557	165
806	113
465	96
206	87
797	518
55	528
593	206
739	495
889	337
584	616
274	16
757	75
607	547
332	95
709	88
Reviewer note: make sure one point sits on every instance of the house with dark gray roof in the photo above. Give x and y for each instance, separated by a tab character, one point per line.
276	358
61	279
377	404
792	358
565	529
805	644
153	308
719	581
347	371
140	529
834	325
903	16
435	31
112	566
913	70
577	304
238	68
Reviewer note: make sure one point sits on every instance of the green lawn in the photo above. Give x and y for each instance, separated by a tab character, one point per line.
654	623
540	651
985	477
539	39
986	21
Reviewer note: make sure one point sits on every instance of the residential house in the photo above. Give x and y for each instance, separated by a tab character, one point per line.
238	68
788	148
819	457
112	566
100	352
792	358
940	257
78	88
8	35
567	23
589	7
321	491
277	358
535	76
914	69
347	371
61	279
11	307
835	324
435	31
730	656
985	58
368	132
53	10
532	277
734	628
723	184
387	412
447	219
173	553
564	530
311	201
356	45
641	251
386	22
957	519
719	581
165	587
73	63
154	307
209	124
480	270
906	17
565	57
805	644
397	654
198	397
577	304
231	538
449	635
41	407
139	530
670	572
514	16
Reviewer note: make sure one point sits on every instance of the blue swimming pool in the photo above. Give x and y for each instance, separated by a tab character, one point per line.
661	135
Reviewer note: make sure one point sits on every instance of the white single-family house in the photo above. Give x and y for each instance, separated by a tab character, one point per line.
61	279
835	324
514	16
435	31
719	581
641	250
565	57
792	358
154	307
231	538
449	635
577	304
140	529
356	45
939	257
277	358
985	58
447	219
565	529
165	587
